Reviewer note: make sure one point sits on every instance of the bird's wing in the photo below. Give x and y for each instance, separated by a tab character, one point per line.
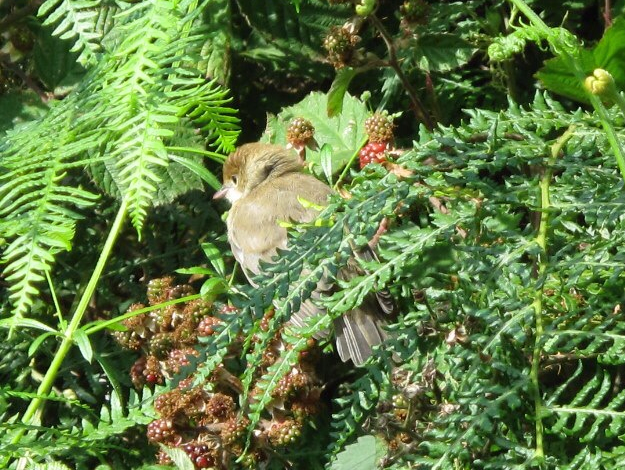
253	223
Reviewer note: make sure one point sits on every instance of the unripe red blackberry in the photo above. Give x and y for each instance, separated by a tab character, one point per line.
299	132
152	371
379	127
162	458
284	433
373	152
178	359
206	327
168	404
340	45
295	380
226	309
161	430
178	291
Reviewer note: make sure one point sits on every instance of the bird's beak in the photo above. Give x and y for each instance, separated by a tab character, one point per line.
222	192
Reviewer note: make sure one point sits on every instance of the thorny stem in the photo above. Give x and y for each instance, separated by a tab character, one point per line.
417	105
607	14
537	304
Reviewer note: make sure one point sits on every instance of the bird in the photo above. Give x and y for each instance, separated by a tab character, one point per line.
264	184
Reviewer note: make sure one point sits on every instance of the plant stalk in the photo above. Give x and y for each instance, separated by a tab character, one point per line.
417	106
537	304
32	412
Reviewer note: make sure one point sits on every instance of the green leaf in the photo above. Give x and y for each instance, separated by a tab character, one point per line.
216	51
213	287
442	52
341	135
179	457
215	258
198	170
84	344
325	155
338	89
26	323
364	454
38	341
198	270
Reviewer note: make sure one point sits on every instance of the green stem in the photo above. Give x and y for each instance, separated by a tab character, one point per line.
537	304
31	415
101	325
350	163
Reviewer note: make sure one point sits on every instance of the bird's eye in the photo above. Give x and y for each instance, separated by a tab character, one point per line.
235	179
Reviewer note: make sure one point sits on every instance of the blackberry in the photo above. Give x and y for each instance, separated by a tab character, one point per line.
340	46
161	430
373	152
299	132
206	327
284	433
379	127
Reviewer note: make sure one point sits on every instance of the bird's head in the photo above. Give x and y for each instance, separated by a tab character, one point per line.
252	164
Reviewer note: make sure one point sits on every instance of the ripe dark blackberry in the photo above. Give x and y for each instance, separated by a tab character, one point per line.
340	45
299	132
379	127
373	152
200	454
136	372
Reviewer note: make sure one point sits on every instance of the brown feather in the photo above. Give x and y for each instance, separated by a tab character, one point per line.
264	182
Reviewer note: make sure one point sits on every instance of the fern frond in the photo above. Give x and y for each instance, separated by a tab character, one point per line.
131	105
84	21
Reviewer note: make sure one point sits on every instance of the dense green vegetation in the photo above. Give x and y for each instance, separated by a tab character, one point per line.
495	199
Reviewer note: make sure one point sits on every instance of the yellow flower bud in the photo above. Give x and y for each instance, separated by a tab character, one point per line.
601	83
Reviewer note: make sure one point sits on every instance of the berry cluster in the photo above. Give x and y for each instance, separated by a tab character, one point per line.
379	129
204	419
340	44
166	336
